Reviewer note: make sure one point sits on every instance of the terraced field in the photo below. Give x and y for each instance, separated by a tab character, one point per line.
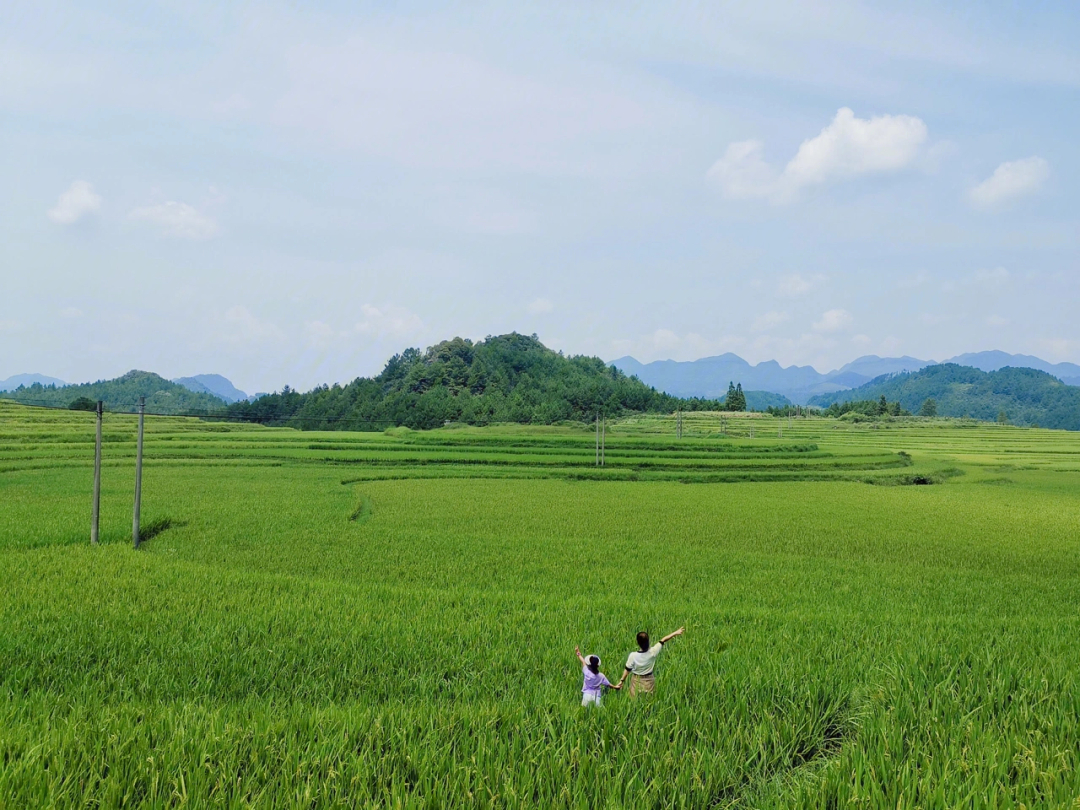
636	449
388	619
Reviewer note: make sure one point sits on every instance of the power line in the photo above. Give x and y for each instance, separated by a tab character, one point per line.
219	417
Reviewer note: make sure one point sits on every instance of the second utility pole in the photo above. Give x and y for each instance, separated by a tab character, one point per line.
603	440
95	509
598	438
138	474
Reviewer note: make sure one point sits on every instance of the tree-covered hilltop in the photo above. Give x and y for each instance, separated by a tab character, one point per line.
763	400
509	378
121	395
1020	396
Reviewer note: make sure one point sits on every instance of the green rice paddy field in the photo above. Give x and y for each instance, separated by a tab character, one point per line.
388	619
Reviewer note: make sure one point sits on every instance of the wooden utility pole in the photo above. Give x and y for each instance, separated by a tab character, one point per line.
603	441
95	509
138	474
678	424
598	438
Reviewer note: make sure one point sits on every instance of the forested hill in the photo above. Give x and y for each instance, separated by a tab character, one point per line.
509	378
1022	396
121	395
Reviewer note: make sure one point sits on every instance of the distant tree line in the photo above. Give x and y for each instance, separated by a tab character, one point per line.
791	410
867	407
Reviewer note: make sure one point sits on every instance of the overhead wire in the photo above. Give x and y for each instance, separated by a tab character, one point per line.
218	417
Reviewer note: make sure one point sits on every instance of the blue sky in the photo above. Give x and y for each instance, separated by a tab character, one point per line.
288	196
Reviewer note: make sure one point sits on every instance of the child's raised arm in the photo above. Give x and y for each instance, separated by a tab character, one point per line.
577	652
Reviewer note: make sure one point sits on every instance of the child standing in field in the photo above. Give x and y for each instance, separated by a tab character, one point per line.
595	680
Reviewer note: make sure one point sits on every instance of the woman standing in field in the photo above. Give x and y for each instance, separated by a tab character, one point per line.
640	663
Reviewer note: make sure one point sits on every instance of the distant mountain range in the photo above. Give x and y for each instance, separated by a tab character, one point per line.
11	383
709	377
1068	373
212	384
1021	396
766	383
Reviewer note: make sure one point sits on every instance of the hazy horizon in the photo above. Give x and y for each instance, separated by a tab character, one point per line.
611	360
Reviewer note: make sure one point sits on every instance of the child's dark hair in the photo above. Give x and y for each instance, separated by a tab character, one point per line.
643	641
594	664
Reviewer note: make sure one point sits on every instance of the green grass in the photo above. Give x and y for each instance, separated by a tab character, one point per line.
309	628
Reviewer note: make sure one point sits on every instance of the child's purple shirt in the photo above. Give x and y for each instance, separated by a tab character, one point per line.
593	680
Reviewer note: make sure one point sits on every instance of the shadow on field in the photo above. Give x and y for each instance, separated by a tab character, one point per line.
150	530
813	748
916	480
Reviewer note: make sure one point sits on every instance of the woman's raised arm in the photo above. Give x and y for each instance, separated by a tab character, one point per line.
670	636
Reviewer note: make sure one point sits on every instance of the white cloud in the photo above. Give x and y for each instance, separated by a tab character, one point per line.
993	279
1010	180
319	335
911	282
861	340
1059	348
742	172
241	326
409	97
668	344
835	320
851	146
665	340
848	147
768	320
811	347
75	203
177	219
388	321
796	285
540	306
10	326
377	322
984	279
889	346
998	320
71	312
